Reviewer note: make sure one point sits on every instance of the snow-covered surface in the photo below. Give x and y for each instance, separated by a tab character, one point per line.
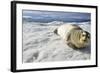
40	44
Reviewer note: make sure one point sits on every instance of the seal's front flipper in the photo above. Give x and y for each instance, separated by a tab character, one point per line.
71	45
56	31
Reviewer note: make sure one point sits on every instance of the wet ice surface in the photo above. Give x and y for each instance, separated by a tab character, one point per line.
40	44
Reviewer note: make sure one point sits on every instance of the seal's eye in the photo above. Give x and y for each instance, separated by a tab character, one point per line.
88	36
83	35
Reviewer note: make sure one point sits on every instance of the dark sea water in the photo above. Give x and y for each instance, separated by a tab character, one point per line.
49	16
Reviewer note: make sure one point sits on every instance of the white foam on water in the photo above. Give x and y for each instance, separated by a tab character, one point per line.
40	44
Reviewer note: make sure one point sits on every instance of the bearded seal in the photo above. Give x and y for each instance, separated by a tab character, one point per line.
73	35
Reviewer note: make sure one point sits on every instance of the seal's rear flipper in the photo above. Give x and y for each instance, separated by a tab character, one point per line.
56	31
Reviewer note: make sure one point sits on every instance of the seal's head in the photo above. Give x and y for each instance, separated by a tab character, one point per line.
85	38
78	38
